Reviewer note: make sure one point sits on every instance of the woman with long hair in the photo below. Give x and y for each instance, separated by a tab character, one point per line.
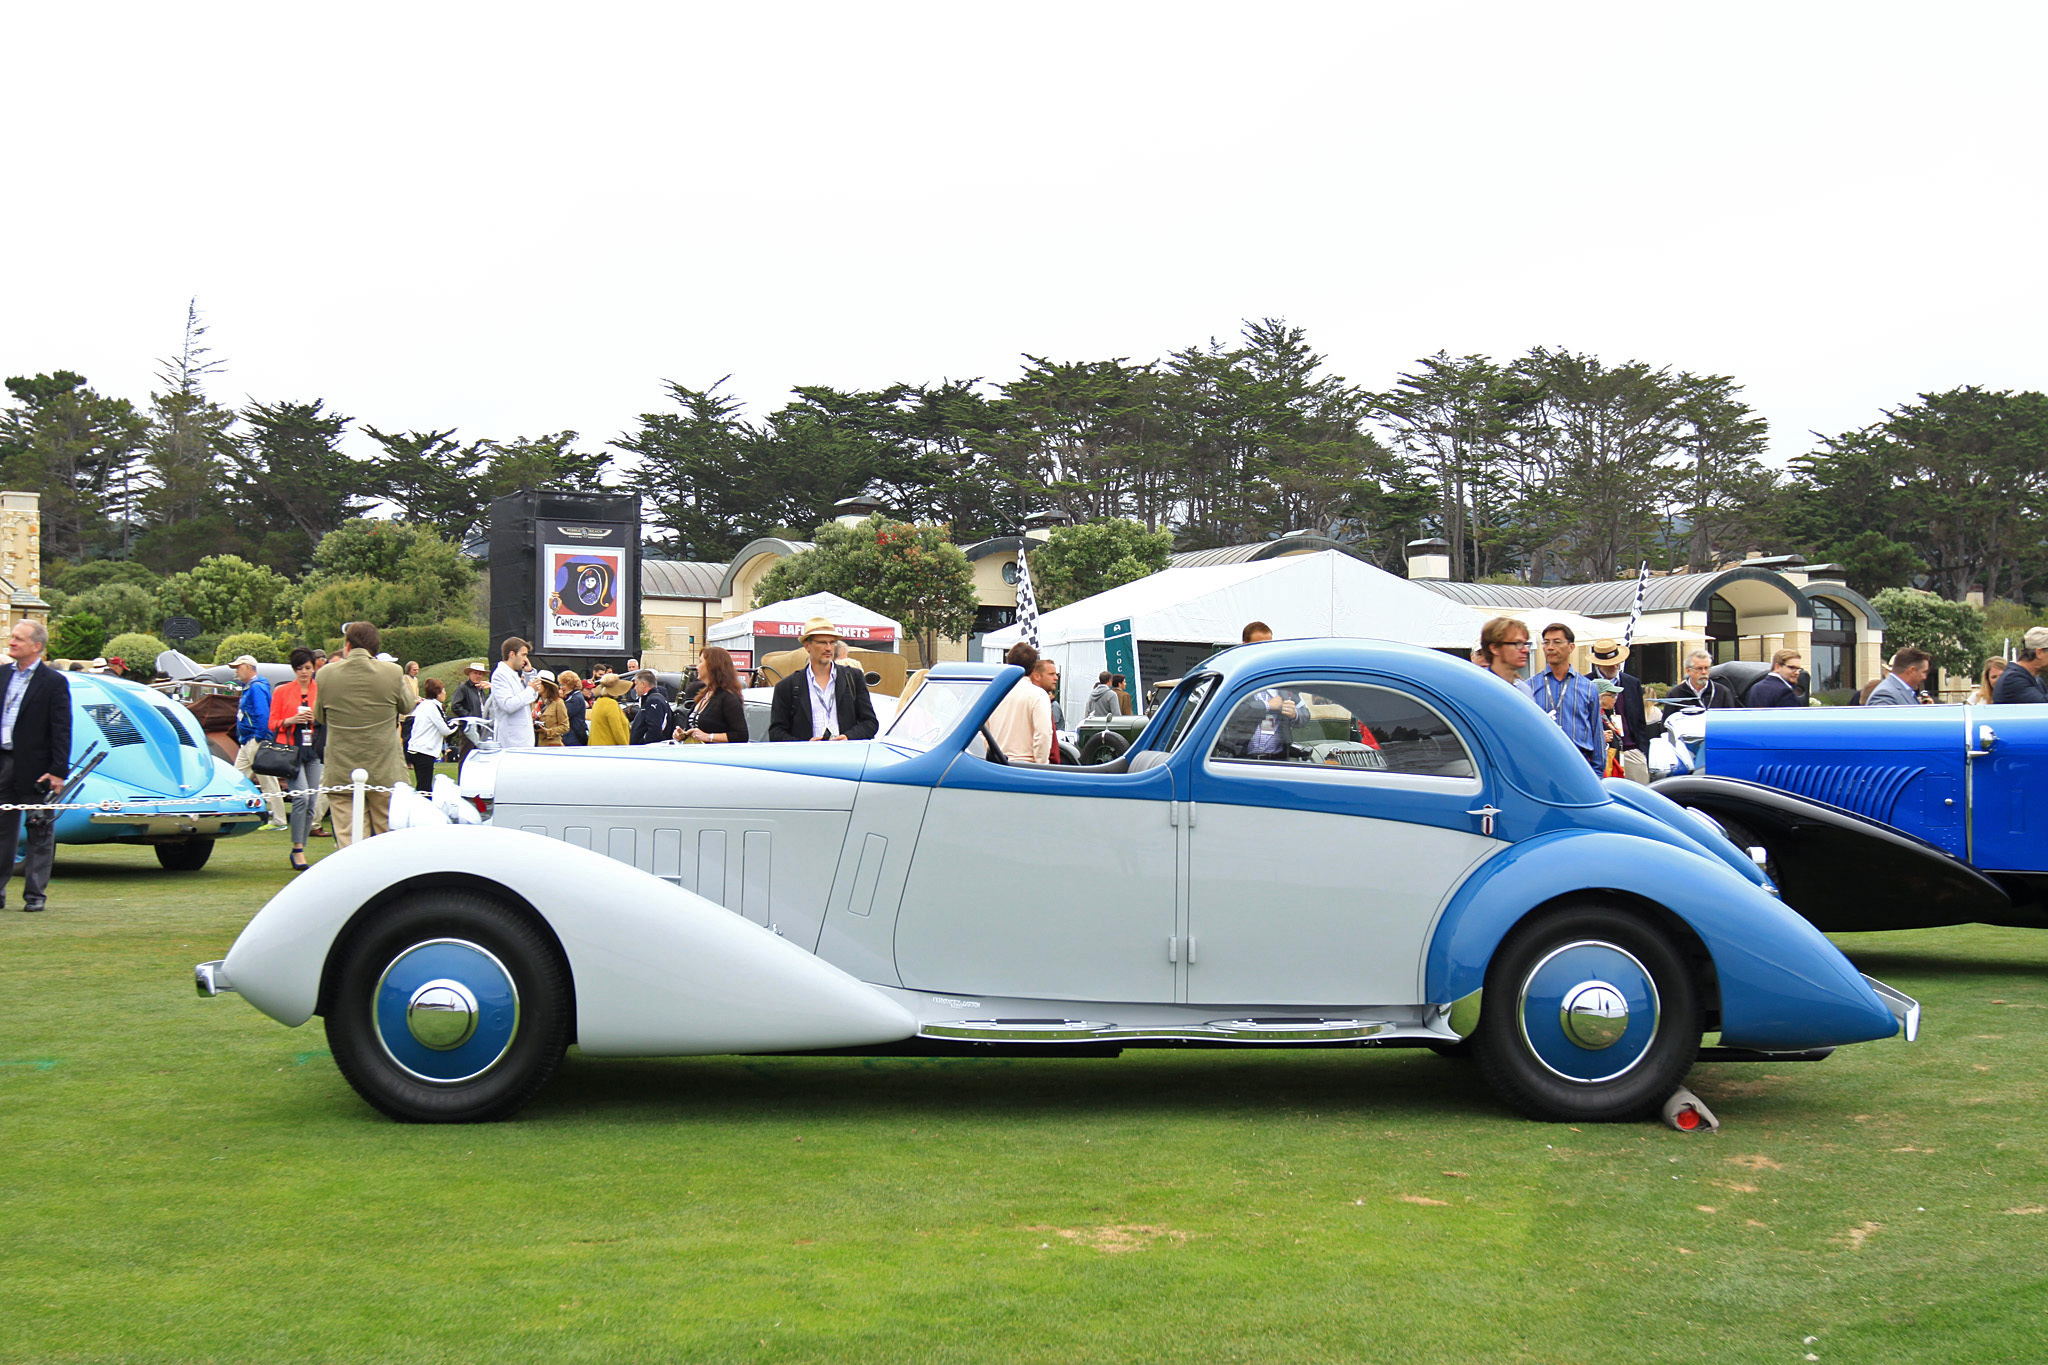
718	715
1987	678
577	706
551	717
291	715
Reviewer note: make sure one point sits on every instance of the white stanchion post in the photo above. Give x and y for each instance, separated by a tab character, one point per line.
357	779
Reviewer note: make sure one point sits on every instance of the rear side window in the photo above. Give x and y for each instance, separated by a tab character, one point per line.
114	723
1323	724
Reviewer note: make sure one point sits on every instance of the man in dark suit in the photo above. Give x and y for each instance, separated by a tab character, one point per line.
651	723
823	701
35	755
1608	657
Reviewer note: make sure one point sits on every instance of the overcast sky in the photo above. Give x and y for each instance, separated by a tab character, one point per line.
511	219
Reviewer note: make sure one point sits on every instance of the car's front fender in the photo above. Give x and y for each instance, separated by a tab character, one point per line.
658	971
1783	987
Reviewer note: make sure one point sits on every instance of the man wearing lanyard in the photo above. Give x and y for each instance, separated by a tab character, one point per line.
35	754
824	701
1570	698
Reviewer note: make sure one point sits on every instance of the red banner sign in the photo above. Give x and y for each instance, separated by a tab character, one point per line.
880	635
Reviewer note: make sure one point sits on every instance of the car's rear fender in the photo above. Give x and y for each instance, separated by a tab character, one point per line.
1782	986
657	970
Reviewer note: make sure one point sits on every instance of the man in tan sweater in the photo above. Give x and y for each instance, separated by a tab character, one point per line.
361	702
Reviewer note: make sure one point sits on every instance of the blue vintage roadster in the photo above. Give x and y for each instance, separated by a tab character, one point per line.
1889	817
1446	869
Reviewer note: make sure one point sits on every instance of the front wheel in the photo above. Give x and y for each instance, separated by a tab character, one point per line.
1590	1015
448	1007
186	856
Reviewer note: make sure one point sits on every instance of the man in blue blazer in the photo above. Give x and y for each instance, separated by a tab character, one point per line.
824	701
35	756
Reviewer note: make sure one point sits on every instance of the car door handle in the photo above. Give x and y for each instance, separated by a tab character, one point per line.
1485	814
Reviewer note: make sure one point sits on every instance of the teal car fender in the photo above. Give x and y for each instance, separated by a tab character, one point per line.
1782	986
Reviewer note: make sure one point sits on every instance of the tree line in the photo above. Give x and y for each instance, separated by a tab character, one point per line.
1551	466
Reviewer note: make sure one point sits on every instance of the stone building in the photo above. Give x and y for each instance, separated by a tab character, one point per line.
21	557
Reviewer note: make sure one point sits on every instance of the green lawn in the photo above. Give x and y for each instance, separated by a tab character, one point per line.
182	1179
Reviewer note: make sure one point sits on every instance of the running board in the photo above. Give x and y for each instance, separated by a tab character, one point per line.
1267	1030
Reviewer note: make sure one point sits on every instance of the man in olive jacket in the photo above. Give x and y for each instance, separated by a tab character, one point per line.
361	702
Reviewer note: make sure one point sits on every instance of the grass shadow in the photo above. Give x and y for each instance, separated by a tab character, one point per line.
1139	1086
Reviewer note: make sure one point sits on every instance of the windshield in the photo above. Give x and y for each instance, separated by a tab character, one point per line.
932	714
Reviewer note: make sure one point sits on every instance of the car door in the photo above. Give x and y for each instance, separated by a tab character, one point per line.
1050	883
1324	843
2008	788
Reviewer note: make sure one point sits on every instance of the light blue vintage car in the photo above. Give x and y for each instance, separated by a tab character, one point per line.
150	775
1446	869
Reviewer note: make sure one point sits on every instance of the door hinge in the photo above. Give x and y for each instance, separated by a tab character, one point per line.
1173	948
1191	950
1176	809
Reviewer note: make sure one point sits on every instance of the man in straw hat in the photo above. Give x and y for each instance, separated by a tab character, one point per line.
823	701
1608	656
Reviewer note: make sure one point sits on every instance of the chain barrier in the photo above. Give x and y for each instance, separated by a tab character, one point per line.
255	804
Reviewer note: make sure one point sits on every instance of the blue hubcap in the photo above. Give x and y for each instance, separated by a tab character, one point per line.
446	1010
1589	1011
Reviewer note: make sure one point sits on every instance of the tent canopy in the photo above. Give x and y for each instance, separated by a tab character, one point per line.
1587	628
1299	596
785	620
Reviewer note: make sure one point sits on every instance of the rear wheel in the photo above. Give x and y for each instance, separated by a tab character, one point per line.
188	855
449	1007
1590	1015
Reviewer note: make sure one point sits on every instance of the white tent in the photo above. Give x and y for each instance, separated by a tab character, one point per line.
1299	596
1587	628
779	625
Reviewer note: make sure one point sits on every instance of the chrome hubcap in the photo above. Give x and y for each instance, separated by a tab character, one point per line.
441	1015
1588	1011
1594	1015
445	1010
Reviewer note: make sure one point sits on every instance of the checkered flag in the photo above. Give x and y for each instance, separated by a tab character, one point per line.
1027	603
1635	613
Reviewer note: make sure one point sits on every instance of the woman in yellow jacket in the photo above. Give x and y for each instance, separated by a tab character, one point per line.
608	722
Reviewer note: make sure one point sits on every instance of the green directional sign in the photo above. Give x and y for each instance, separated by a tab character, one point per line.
1120	654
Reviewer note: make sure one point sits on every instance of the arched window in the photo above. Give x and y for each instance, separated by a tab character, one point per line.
1722	633
1834	646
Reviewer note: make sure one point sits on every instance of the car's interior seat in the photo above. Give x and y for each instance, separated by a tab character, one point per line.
1149	758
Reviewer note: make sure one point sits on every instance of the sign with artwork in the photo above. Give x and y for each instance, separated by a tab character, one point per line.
583	608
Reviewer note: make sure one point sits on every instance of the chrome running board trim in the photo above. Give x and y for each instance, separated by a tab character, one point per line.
1278	1029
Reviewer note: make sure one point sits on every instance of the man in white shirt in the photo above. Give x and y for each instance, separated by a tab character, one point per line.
1022	720
510	705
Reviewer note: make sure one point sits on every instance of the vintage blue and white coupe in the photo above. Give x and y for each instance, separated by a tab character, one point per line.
1448	870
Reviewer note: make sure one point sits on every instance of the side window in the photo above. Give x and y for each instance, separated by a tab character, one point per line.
1193	701
1341	725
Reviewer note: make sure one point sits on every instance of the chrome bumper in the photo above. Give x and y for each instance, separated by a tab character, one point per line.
212	978
1904	1007
169	824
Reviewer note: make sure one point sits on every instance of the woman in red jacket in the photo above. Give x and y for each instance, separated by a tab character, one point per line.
291	716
